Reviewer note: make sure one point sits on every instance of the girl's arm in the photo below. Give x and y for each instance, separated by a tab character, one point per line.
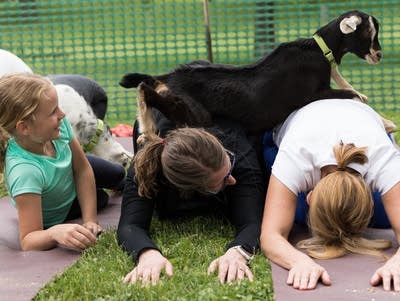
31	233
390	271
85	187
279	211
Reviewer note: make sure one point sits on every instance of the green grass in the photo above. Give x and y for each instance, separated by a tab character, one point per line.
189	244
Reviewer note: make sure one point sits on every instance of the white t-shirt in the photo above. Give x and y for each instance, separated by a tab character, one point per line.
307	137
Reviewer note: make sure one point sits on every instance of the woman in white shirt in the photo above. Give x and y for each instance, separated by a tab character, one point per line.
338	152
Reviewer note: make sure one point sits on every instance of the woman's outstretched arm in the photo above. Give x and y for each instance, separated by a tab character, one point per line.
390	271
279	211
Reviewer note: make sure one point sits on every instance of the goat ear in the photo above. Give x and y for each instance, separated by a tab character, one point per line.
349	25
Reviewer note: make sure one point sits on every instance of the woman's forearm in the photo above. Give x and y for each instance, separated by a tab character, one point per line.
281	251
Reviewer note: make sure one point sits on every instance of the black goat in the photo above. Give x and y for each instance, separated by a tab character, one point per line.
262	94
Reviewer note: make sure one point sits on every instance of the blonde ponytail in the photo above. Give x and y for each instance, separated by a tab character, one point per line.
341	207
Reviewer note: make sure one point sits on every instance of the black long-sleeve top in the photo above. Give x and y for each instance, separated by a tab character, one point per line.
243	202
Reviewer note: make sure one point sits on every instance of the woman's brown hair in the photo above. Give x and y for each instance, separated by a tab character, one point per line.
186	157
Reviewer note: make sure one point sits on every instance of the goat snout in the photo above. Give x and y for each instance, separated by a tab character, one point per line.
373	57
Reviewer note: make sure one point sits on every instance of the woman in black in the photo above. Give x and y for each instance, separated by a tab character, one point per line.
193	171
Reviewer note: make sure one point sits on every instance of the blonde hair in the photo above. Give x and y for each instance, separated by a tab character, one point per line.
20	95
341	207
187	157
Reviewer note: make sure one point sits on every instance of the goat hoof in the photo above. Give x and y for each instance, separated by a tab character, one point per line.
390	127
363	98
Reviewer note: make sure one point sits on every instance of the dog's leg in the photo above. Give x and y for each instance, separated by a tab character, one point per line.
344	84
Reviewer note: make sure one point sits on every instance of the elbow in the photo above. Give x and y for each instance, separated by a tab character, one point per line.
31	244
25	246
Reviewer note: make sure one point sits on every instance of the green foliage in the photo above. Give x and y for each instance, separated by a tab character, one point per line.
189	244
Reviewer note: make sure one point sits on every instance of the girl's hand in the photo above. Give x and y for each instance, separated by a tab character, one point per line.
72	236
95	228
305	275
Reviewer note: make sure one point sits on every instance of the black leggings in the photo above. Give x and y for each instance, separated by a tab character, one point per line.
107	175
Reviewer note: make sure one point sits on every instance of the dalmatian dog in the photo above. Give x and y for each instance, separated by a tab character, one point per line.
84	103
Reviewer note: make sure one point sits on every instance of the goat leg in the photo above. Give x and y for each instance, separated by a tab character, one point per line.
390	127
344	84
175	108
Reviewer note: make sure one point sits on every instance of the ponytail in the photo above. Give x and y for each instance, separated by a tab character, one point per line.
341	208
148	167
349	153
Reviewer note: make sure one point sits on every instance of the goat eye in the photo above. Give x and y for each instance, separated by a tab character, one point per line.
367	32
369	29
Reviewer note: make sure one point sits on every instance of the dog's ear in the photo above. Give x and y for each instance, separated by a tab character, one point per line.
349	25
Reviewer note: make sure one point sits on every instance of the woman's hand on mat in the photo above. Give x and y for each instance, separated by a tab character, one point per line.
305	275
93	227
231	266
149	268
388	273
72	236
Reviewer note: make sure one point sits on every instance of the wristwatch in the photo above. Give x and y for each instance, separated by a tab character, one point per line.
248	256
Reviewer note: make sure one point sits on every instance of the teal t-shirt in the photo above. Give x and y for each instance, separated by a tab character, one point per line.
52	178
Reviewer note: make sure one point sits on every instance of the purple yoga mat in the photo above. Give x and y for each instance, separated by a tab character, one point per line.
350	275
22	274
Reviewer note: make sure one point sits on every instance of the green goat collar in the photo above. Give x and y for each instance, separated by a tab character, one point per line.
325	49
